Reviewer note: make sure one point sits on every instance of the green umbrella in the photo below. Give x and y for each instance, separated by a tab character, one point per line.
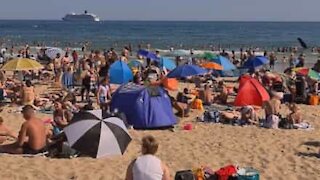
207	55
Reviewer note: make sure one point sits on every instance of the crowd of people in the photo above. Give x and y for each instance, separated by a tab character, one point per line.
86	78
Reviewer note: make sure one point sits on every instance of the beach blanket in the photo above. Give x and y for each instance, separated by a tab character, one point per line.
303	125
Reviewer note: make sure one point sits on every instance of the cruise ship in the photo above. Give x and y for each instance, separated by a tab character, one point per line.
85	17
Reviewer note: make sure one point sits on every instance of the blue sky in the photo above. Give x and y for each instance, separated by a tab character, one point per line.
236	10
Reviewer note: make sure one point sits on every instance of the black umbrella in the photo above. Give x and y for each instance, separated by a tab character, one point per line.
302	43
94	136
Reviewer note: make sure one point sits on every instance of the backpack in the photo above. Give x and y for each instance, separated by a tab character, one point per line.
184	175
226	173
211	116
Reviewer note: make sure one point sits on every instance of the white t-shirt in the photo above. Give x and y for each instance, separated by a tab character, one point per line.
104	90
147	167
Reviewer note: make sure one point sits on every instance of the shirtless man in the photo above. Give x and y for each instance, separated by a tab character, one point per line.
272	107
32	135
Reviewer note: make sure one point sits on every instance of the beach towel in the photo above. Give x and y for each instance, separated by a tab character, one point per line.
302	125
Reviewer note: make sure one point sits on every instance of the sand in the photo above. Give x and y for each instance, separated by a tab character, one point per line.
277	154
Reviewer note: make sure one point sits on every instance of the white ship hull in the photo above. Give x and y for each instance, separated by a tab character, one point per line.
86	17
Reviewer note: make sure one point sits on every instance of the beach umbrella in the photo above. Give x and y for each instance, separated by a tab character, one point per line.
120	73
135	63
256	61
225	63
52	52
302	43
95	136
212	65
307	72
21	64
207	55
148	54
186	70
167	63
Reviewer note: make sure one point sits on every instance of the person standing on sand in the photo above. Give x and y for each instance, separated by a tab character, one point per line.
104	94
57	67
148	166
32	136
27	93
273	60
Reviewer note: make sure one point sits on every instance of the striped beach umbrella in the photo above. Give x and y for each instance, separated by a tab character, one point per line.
95	136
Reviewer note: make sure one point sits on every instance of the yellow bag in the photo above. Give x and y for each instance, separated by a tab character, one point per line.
197	104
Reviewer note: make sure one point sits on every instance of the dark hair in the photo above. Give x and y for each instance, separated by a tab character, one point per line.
185	90
28	83
149	145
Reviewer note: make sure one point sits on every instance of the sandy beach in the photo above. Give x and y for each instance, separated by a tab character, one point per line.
277	154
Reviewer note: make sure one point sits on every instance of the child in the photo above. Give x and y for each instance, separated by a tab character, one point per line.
5	132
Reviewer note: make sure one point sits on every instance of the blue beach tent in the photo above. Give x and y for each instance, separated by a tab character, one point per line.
144	107
225	63
167	63
120	73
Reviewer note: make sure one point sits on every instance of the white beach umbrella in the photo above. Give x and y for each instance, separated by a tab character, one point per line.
94	136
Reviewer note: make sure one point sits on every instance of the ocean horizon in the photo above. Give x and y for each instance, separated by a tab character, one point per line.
160	34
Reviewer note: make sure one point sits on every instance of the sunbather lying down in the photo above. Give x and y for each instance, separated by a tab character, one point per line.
243	116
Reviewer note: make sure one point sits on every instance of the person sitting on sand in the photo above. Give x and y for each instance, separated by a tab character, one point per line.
223	96
148	166
28	93
61	116
248	116
295	116
272	109
5	132
183	103
206	95
32	137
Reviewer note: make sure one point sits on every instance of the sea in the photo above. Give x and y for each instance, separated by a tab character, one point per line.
159	34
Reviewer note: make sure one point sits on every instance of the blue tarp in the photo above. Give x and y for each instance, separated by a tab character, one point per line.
120	73
141	109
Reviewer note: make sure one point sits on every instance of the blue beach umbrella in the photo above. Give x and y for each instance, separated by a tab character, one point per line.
148	54
120	73
186	70
167	63
255	62
224	62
